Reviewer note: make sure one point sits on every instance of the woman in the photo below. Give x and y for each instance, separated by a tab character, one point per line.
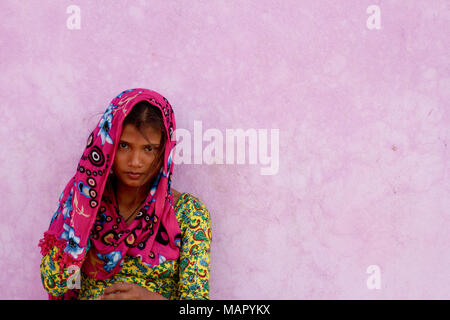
120	228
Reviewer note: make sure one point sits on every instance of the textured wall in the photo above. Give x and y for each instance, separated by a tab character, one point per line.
359	206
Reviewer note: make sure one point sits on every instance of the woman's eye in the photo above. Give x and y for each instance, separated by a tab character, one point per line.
123	145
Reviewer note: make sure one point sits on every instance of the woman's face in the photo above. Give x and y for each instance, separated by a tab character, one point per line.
137	155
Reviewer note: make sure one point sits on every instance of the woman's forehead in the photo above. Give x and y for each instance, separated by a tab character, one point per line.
131	134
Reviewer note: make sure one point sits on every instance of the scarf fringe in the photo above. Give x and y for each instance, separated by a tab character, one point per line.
46	244
65	259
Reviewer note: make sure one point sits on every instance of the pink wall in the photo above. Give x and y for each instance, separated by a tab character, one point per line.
364	133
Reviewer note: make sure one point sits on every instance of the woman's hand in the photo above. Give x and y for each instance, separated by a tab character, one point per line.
129	291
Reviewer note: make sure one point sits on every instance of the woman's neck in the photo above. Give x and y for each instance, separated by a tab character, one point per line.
130	197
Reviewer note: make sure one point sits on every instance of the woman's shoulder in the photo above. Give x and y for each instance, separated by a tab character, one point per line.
189	208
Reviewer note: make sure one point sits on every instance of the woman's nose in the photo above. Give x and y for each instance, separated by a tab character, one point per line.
135	159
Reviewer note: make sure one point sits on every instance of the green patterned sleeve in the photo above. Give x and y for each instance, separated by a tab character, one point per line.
53	280
194	268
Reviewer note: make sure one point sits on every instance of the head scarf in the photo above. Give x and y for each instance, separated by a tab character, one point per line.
87	227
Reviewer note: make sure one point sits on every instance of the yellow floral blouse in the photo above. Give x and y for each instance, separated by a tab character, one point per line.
185	278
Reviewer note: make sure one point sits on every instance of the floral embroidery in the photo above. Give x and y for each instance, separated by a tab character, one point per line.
105	124
73	241
111	259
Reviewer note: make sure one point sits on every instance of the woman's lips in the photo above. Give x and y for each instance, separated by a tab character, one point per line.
134	176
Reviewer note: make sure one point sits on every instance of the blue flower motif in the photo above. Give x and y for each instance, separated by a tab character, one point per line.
111	259
155	184
55	215
73	241
129	90
161	258
105	124
169	160
68	205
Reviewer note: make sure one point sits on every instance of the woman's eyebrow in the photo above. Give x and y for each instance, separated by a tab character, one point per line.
152	144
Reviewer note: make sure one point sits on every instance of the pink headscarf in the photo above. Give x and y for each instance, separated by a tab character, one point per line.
87	228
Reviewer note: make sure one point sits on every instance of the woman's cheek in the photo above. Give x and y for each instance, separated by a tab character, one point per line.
119	158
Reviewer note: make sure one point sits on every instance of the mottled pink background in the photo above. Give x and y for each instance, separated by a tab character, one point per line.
364	134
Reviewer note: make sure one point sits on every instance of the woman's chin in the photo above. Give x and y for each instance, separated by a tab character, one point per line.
134	182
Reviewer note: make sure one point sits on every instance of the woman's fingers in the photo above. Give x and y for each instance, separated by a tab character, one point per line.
115	296
121	287
116	291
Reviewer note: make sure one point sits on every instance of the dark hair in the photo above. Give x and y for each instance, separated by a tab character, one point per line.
145	115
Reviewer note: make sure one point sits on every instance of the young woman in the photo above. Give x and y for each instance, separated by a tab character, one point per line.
120	231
